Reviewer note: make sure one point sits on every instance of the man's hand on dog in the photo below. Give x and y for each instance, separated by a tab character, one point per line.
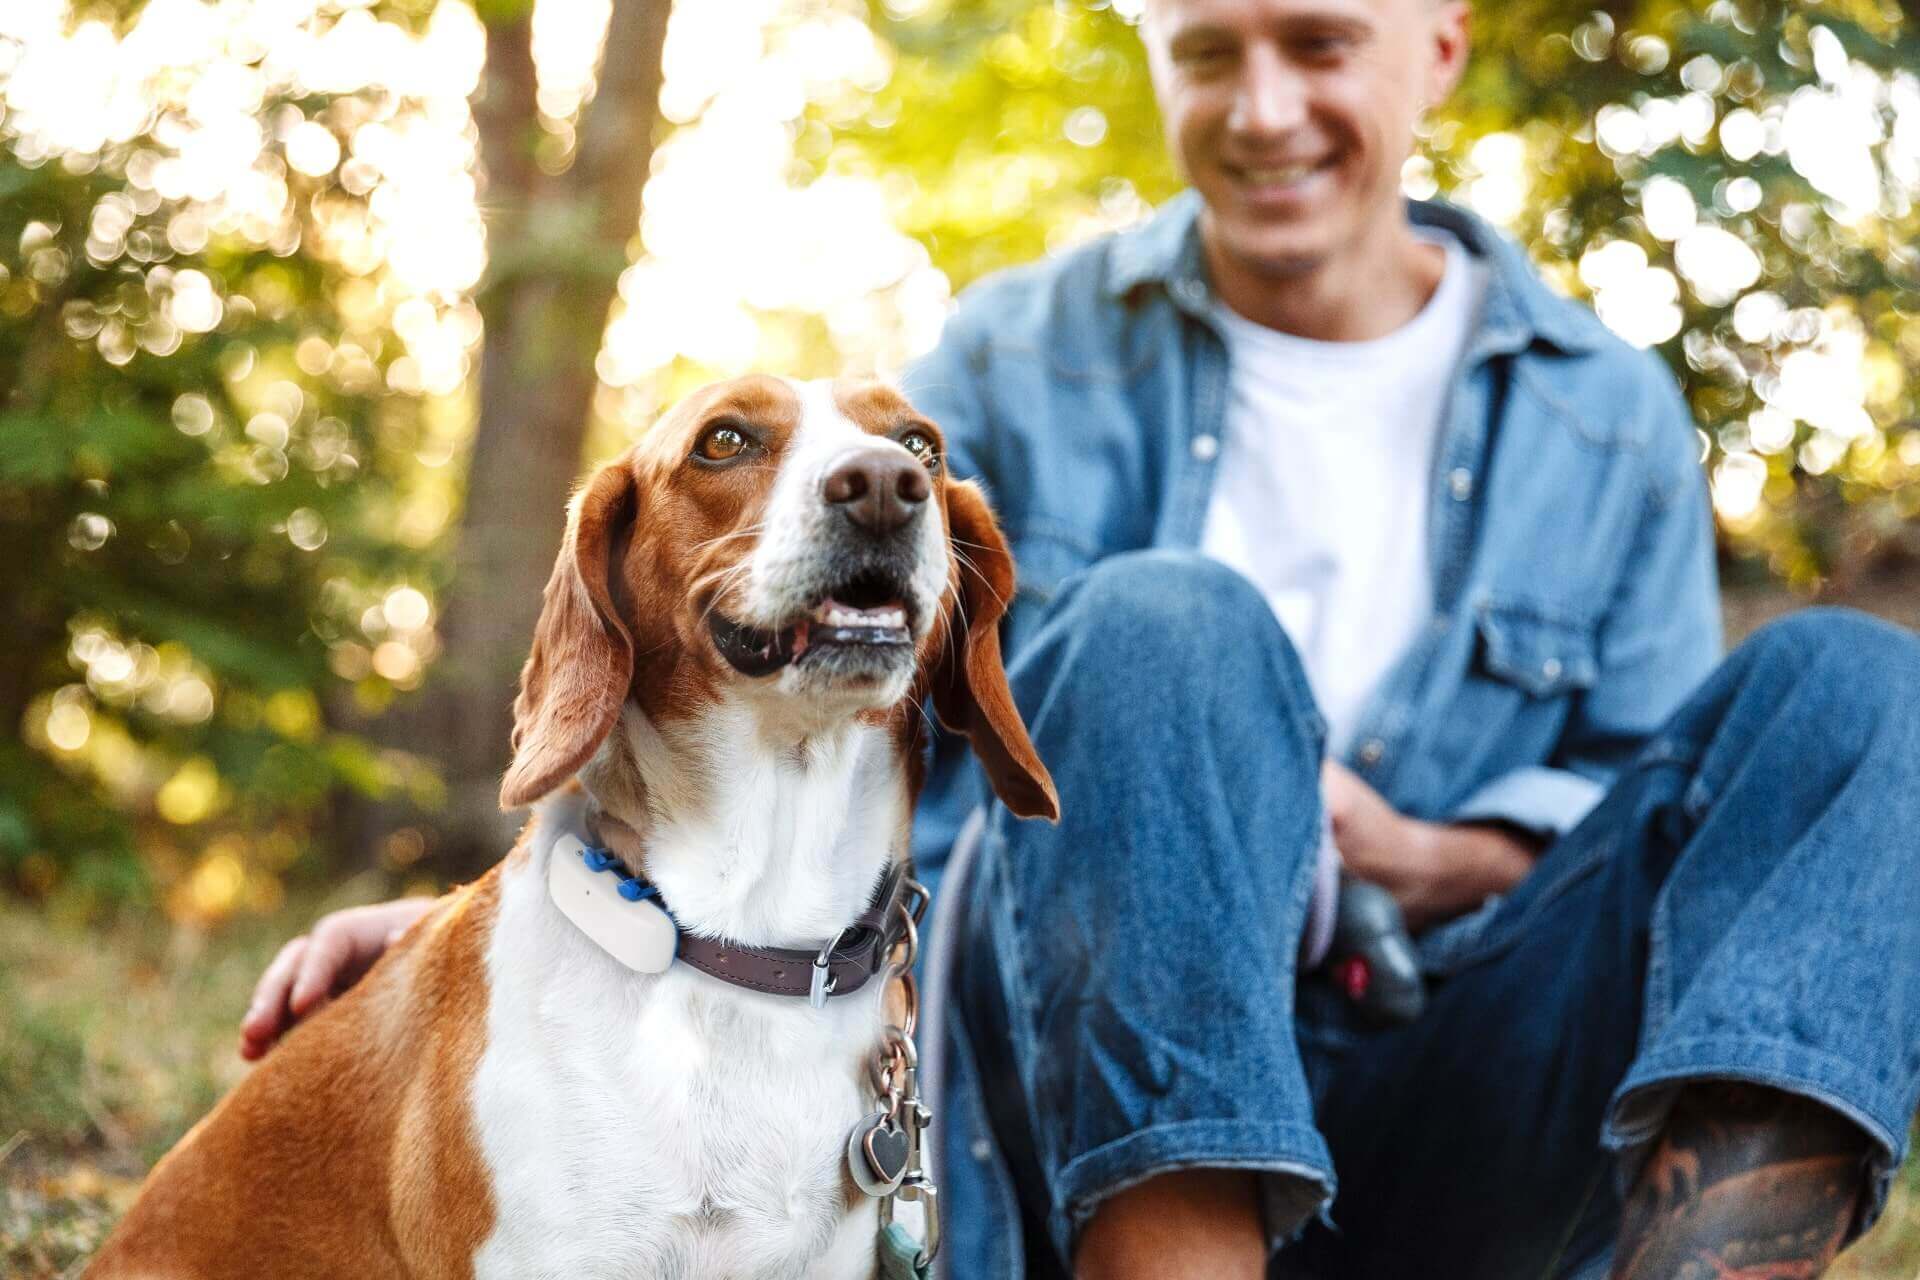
316	966
1434	871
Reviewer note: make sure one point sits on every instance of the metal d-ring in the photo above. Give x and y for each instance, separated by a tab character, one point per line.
921	896
824	982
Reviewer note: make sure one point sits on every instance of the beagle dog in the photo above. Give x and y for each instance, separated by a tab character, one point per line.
592	1060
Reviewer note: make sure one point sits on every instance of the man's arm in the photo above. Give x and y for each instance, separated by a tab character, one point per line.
1435	871
1658	639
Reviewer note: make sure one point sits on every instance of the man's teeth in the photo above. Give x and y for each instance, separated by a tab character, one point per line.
840	616
1279	176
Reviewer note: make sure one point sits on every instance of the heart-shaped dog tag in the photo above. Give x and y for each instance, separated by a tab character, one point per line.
877	1155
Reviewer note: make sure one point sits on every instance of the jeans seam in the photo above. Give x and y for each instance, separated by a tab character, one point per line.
1656	1000
999	1180
1736	1054
1483	948
1803	1078
1014	981
1265	1146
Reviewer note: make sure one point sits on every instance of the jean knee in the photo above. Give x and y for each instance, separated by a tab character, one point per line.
1158	629
1180	591
1176	604
1859	667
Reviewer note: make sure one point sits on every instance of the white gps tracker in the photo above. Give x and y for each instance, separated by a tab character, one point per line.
638	933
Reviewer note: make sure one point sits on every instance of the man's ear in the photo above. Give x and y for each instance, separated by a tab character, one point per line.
577	674
970	691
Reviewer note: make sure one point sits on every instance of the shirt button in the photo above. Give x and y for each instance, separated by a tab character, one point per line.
1206	447
1372	751
1190	291
1460	484
1551	668
981	1150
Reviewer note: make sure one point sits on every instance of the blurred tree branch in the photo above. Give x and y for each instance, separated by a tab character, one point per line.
558	242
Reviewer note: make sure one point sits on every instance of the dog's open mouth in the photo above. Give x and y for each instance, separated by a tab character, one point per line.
866	611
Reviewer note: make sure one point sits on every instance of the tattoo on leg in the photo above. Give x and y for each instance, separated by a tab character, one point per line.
1747	1183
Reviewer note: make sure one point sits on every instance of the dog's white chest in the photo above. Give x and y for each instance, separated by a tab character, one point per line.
662	1127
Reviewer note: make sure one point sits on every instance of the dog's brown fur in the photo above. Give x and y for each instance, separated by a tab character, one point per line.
390	1184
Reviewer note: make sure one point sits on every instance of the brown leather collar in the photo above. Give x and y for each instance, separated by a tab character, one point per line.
840	966
844	963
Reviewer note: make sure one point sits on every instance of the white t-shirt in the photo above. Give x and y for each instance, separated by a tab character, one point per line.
1324	476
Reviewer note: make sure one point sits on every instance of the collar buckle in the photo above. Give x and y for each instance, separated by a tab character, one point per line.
823	982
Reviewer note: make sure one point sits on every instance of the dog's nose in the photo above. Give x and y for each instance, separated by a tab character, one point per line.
878	489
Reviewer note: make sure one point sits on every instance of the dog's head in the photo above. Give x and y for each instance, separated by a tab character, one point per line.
797	546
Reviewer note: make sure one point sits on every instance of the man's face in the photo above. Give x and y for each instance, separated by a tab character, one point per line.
1293	117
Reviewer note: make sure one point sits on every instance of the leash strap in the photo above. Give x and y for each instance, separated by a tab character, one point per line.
900	1255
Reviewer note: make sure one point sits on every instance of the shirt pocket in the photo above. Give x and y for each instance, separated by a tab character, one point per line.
1543	654
1522	669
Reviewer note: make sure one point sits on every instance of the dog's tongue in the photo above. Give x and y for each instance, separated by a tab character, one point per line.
761	653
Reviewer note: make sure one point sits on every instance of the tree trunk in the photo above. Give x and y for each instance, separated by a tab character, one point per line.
557	246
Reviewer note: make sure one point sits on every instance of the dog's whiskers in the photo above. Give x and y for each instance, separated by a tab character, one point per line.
753	530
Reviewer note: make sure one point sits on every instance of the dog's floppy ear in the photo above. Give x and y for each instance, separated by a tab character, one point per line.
576	677
970	688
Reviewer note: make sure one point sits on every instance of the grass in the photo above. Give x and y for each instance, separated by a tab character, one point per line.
113	1042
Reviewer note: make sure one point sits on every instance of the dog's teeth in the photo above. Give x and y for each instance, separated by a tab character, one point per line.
839	616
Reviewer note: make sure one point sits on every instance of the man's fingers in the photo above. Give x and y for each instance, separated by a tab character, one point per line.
1337	793
270	993
308	970
266	1012
330	954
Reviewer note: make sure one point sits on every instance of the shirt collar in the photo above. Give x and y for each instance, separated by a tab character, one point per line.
1519	307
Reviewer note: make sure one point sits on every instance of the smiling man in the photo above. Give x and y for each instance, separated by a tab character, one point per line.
1343	540
1478	521
1292	122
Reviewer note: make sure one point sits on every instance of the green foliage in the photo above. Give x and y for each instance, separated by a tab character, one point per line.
1837	492
1008	128
200	462
1012	127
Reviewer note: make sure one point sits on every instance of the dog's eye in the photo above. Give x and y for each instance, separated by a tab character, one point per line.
922	448
720	444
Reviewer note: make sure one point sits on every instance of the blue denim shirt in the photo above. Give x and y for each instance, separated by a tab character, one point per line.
1571	543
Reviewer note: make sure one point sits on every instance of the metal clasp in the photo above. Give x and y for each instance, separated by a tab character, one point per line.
920	1189
824	982
918	1185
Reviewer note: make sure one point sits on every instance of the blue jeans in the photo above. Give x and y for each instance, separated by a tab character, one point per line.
1744	904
